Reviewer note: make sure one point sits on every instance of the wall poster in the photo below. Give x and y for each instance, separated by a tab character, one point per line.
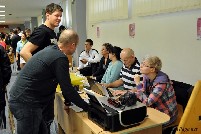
98	32
199	29
132	30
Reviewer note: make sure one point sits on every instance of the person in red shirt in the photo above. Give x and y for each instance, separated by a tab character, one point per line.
2	43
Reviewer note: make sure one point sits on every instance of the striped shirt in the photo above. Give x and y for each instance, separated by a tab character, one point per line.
127	75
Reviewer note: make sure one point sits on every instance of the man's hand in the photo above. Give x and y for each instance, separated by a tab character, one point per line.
105	85
137	79
84	61
92	77
67	109
119	92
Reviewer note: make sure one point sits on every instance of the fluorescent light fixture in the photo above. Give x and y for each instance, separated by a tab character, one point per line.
2	6
2	15
2	11
1	21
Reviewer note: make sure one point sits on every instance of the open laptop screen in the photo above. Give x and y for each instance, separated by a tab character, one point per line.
98	88
94	101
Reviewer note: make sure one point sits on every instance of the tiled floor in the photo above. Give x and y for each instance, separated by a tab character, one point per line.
8	130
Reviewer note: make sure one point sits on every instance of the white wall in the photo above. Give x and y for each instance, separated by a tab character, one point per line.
170	36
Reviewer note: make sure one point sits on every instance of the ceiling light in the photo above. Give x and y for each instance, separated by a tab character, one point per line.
2	21
2	15
2	11
2	6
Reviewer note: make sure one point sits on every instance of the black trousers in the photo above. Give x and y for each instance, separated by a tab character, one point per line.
89	70
18	62
2	119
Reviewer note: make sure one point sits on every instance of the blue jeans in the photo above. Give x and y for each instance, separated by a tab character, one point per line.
29	119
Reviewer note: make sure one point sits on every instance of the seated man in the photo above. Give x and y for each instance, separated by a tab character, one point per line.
88	59
131	66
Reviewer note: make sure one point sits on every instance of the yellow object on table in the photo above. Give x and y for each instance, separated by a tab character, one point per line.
75	80
58	89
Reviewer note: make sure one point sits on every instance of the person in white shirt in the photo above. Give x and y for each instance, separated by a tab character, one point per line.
88	59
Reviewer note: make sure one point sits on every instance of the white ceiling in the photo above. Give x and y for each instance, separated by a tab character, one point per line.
23	10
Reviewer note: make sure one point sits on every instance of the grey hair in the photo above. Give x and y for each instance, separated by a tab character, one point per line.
68	36
129	52
154	62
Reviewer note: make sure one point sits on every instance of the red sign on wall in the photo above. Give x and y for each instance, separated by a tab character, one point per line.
132	30
199	29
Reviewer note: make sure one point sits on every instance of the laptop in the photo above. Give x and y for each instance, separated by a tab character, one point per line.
98	88
96	101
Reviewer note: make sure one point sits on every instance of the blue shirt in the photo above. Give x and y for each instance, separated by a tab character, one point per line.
20	45
113	72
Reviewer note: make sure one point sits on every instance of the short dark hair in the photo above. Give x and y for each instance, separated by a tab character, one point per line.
90	41
116	50
62	28
18	28
24	34
27	30
2	36
15	31
108	46
52	8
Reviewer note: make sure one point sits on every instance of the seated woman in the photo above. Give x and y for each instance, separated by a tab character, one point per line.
104	62
156	90
113	71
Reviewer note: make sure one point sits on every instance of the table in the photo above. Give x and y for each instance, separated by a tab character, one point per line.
78	123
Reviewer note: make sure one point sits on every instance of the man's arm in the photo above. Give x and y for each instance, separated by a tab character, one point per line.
80	64
116	83
27	50
61	70
96	57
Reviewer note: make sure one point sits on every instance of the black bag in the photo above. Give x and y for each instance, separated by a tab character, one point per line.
128	99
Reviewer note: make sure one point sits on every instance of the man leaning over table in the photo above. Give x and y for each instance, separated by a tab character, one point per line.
36	85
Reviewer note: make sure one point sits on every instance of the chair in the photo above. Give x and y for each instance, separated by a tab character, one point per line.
191	119
189	113
182	92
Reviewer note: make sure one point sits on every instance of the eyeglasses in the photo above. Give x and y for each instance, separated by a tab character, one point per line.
144	65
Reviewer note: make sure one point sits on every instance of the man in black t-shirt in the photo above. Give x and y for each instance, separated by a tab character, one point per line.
42	37
15	38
